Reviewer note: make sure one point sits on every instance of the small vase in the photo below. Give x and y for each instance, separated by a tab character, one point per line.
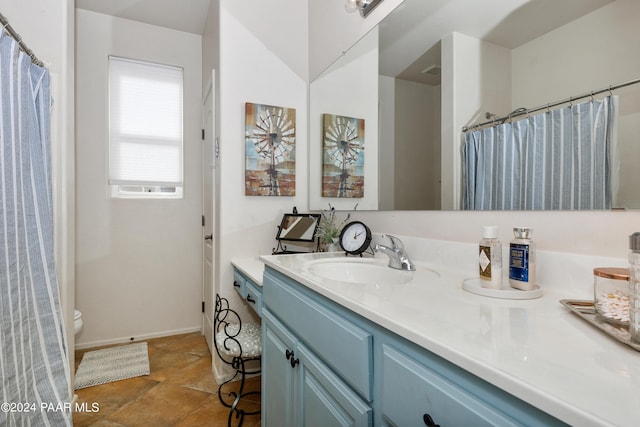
330	247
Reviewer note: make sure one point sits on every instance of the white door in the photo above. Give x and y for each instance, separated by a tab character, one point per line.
208	215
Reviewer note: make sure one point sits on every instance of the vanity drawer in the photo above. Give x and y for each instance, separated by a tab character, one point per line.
254	296
239	284
340	343
412	390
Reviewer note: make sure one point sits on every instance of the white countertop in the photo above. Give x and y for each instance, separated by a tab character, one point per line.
250	267
534	349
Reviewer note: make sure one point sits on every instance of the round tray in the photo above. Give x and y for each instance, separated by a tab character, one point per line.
507	292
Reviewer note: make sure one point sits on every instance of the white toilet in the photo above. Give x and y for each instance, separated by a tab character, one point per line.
77	321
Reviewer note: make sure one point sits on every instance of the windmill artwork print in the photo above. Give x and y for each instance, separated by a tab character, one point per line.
270	150
342	156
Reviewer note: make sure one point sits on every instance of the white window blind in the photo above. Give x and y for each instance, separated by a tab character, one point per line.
145	124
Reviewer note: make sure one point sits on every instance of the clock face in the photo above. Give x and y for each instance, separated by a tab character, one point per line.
355	238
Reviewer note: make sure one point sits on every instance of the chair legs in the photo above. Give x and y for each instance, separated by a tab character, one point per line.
235	411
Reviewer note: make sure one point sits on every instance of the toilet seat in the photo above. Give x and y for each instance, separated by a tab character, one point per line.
77	321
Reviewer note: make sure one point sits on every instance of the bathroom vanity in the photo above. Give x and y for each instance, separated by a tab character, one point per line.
416	349
247	281
345	370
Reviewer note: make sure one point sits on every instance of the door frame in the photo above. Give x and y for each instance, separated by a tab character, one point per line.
209	287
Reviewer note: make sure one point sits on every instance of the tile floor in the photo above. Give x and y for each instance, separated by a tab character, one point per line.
180	390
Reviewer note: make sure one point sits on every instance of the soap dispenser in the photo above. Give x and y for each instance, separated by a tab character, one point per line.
522	260
490	258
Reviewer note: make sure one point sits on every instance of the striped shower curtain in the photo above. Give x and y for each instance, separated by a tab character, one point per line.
552	161
33	354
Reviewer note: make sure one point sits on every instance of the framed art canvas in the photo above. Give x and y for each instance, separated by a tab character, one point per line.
342	156
270	150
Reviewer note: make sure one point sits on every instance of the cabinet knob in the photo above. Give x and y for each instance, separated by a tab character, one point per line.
251	300
428	421
293	361
236	284
290	358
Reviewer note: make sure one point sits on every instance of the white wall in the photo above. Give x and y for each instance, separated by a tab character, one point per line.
348	88
48	29
253	64
417	146
409	147
627	191
211	43
386	152
332	31
138	262
254	68
593	52
589	53
596	233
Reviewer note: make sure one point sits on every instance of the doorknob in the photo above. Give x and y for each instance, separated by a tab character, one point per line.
208	237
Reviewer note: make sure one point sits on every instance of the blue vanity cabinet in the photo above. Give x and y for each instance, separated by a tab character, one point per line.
320	358
316	365
250	291
299	389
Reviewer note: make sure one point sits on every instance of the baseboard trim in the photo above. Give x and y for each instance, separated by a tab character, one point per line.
223	372
137	338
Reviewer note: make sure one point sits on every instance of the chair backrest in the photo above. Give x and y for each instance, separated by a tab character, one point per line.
227	326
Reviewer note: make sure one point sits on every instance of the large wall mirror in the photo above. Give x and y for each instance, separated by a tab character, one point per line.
431	68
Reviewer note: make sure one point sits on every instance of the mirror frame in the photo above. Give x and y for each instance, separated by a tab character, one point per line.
291	222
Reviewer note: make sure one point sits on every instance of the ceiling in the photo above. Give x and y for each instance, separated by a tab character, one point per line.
181	15
414	27
410	35
496	21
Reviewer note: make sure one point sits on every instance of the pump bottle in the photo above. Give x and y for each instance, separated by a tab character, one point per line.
522	260
490	258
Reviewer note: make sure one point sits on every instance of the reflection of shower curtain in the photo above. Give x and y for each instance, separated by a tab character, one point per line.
556	160
33	354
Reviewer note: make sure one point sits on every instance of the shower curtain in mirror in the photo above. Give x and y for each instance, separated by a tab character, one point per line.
33	355
556	160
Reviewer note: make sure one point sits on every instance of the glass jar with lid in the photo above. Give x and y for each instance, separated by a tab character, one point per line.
611	294
634	286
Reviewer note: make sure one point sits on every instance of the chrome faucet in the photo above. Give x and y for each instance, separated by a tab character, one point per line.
398	257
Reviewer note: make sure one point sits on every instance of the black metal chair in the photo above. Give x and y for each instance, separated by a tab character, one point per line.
240	346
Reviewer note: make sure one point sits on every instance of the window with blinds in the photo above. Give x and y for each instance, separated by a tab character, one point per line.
145	129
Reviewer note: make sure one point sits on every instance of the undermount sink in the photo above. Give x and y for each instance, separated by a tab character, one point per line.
359	270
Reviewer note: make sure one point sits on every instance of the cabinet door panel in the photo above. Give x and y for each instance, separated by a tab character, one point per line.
411	390
277	375
344	346
326	400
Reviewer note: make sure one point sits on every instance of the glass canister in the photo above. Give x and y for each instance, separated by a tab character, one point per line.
611	294
634	286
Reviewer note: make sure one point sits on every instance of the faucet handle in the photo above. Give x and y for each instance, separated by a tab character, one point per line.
396	243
